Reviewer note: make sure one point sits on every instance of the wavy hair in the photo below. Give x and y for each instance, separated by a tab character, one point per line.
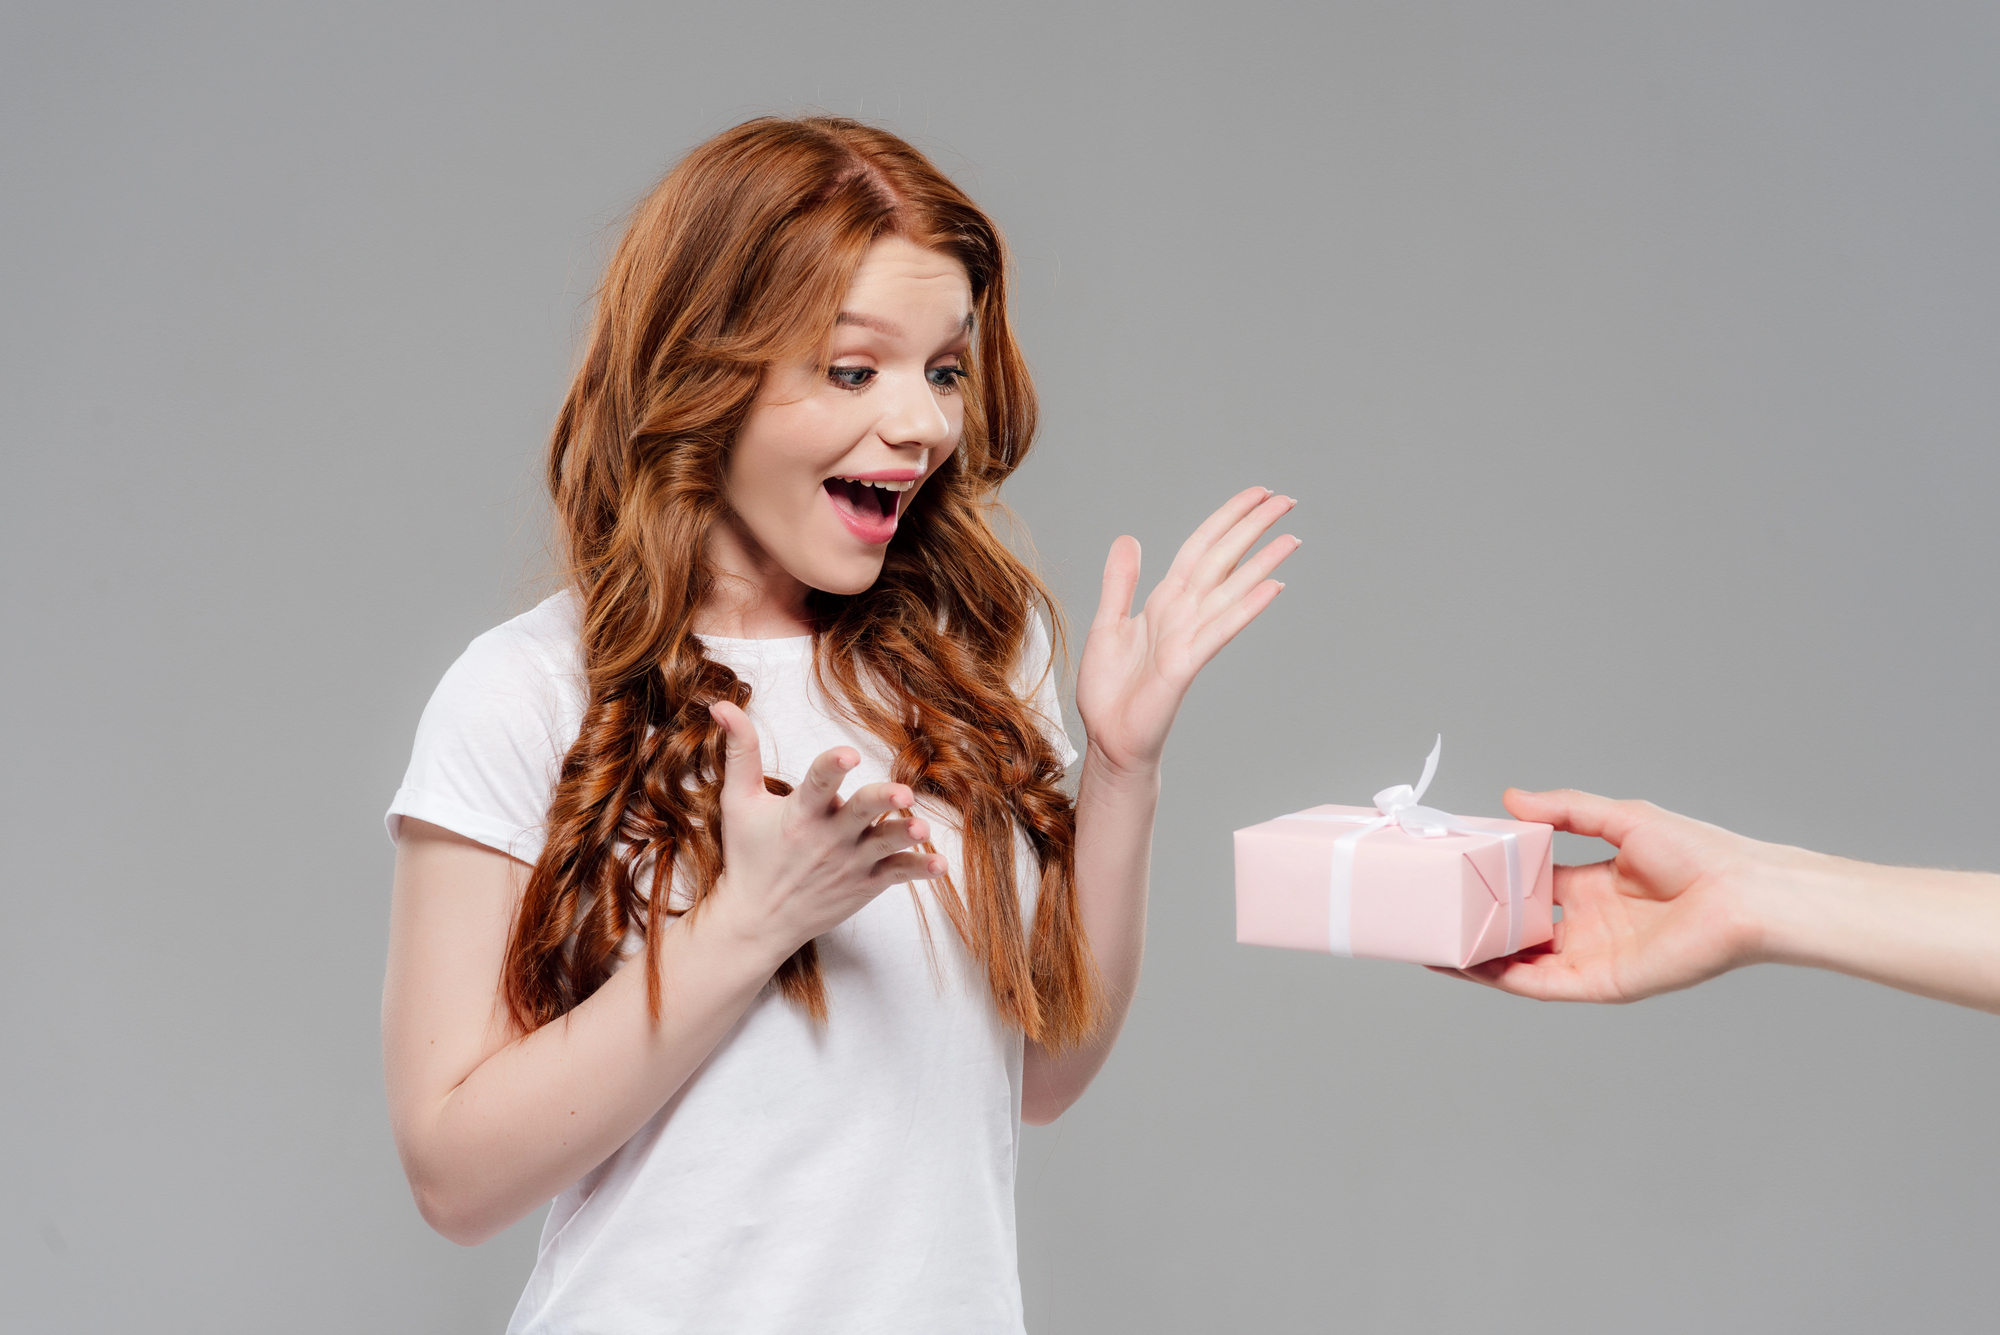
736	261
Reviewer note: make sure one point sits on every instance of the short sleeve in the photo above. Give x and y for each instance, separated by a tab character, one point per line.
490	744
1036	683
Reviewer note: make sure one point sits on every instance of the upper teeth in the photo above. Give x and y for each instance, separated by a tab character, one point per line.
886	486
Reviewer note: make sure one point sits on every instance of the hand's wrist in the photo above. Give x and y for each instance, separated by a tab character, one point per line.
1138	776
728	925
1774	888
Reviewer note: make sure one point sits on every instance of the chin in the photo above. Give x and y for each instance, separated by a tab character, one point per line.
848	580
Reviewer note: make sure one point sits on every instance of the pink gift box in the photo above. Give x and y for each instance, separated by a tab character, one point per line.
1443	900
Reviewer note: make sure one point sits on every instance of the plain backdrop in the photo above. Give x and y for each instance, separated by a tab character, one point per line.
1638	371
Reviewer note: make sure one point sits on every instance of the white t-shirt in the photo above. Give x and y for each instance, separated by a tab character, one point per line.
856	1176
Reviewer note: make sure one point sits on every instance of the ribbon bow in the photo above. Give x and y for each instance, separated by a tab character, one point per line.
1399	803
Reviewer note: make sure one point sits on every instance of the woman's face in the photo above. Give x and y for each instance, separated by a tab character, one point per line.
833	453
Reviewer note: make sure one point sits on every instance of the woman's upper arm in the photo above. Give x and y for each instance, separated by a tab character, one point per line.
442	1014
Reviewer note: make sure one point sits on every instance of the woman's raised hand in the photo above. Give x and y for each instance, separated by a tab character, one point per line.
1136	669
795	866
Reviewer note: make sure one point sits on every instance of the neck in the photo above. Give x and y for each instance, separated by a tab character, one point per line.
755	598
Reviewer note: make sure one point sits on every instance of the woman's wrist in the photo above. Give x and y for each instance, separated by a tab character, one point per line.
737	935
1106	776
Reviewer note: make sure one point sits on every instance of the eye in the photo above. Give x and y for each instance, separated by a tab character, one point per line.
851	377
946	379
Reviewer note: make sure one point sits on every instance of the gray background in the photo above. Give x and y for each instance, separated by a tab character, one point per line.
1635	366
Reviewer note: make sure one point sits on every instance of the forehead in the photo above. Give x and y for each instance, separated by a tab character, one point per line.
903	284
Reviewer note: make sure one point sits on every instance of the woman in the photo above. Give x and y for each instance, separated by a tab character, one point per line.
640	956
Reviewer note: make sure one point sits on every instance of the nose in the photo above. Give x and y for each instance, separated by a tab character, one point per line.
912	417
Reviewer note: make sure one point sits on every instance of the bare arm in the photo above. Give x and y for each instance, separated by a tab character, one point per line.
1134	674
490	1122
1684	901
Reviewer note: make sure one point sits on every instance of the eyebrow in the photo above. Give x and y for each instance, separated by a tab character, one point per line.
888	328
869	322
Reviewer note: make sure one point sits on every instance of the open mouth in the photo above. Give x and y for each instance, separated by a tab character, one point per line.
868	505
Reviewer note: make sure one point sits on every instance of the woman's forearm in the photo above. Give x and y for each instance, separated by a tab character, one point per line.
548	1107
1935	933
1114	850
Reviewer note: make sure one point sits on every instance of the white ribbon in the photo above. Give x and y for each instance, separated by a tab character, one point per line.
1398	805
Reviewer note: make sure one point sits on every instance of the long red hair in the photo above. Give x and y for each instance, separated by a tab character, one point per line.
738	260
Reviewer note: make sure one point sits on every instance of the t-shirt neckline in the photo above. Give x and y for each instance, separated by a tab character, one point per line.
735	642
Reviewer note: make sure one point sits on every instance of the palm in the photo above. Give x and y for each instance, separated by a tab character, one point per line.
1133	676
1136	669
1618	941
1650	920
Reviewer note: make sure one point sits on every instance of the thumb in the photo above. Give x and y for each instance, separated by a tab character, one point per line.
743	759
1121	580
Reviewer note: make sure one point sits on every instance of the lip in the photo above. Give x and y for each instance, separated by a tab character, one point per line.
886	475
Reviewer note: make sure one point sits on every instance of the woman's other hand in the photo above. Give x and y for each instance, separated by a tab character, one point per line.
797	865
1136	669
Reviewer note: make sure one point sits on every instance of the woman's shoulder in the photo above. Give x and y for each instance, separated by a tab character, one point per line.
493	735
497	728
549	634
1037	681
541	647
524	677
1035	659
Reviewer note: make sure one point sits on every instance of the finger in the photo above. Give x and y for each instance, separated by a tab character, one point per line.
1215	564
910	867
1537	977
1217	524
894	835
1230	621
1477	973
874	801
820	790
1578	812
1121	578
1449	972
742	759
1251	573
1584	877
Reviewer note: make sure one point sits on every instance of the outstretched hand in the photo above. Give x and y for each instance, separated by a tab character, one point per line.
1137	669
1659	916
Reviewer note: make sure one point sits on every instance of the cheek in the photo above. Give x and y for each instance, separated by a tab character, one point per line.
771	458
954	416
